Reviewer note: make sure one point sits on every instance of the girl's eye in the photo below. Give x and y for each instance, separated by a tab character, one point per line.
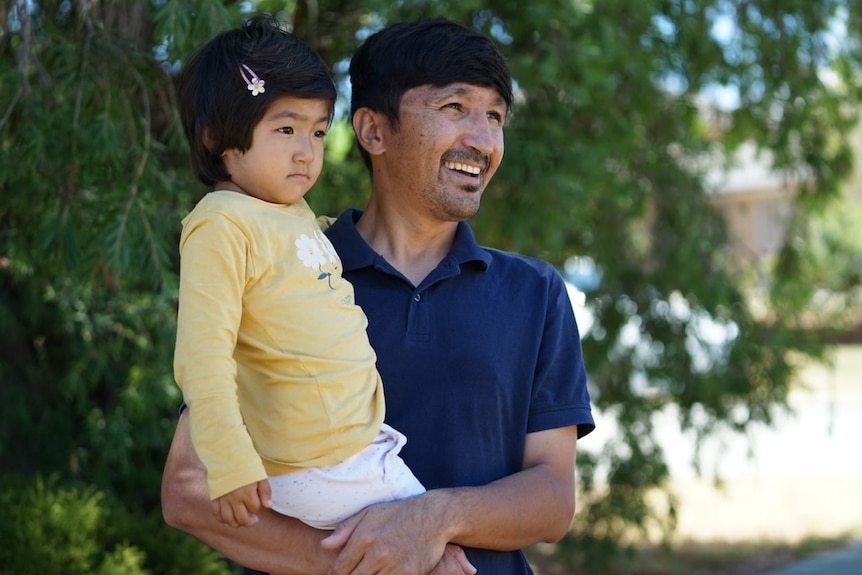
286	130
320	134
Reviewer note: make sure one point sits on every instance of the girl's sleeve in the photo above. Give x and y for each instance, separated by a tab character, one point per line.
214	269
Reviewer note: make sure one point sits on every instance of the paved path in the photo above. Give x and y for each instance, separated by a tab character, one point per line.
847	561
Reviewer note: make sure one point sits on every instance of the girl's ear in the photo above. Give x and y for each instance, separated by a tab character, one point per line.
206	136
370	128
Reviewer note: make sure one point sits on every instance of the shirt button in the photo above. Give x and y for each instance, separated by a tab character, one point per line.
417	297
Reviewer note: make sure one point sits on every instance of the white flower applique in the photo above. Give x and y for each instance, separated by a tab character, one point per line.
309	252
327	247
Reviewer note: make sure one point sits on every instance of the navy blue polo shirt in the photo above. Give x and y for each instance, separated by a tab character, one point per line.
484	351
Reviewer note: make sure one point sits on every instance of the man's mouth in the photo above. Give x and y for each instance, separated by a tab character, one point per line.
462	167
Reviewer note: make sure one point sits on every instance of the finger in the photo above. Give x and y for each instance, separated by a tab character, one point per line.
338	538
264	492
448	565
349	562
460	557
226	513
249	505
366	566
243	518
230	516
216	507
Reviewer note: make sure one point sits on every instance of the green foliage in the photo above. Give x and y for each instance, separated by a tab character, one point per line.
49	530
606	157
87	378
167	551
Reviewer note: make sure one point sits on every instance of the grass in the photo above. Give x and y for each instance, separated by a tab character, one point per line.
699	558
756	524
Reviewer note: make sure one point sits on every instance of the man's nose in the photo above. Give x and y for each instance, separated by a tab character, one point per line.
481	135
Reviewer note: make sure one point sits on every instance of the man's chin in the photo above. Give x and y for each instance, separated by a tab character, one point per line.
463	212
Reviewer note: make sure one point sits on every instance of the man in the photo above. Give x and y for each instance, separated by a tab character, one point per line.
478	349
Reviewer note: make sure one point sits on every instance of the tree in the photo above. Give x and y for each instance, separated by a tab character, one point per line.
606	157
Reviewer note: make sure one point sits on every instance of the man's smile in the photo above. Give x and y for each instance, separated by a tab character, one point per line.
463	167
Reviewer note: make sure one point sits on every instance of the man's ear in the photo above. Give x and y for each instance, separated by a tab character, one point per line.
370	128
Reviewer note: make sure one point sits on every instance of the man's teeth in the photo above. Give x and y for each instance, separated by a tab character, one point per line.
463	168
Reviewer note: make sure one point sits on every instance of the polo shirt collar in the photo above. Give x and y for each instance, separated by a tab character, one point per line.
355	253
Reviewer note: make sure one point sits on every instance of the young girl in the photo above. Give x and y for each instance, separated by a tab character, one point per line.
271	353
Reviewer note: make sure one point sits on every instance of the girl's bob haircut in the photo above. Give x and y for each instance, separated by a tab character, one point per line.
218	110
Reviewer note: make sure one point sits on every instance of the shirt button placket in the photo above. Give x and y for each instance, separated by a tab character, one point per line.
418	327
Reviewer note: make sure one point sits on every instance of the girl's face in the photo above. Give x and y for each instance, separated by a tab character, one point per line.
286	153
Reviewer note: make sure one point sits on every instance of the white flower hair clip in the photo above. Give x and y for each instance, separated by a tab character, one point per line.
255	84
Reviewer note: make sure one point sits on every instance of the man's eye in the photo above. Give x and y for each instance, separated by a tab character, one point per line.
453	105
496	117
286	130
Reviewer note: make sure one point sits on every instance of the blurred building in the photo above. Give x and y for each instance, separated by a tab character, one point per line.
756	202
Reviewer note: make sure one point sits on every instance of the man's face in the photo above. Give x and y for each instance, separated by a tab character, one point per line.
448	145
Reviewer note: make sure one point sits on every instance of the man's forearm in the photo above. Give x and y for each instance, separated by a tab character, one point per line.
512	513
534	505
276	544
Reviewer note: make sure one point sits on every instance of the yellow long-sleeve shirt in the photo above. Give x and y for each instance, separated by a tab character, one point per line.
271	354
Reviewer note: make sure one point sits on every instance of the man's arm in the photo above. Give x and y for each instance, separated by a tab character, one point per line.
534	505
276	544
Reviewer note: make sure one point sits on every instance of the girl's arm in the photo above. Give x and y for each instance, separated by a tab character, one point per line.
276	544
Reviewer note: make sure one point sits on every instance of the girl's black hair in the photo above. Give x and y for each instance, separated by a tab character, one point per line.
433	52
219	112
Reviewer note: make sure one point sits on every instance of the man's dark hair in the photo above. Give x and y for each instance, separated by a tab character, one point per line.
219	112
434	52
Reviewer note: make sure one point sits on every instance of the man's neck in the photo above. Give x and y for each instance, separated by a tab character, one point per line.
413	245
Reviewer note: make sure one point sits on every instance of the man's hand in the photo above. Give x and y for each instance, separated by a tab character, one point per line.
454	562
398	538
239	507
